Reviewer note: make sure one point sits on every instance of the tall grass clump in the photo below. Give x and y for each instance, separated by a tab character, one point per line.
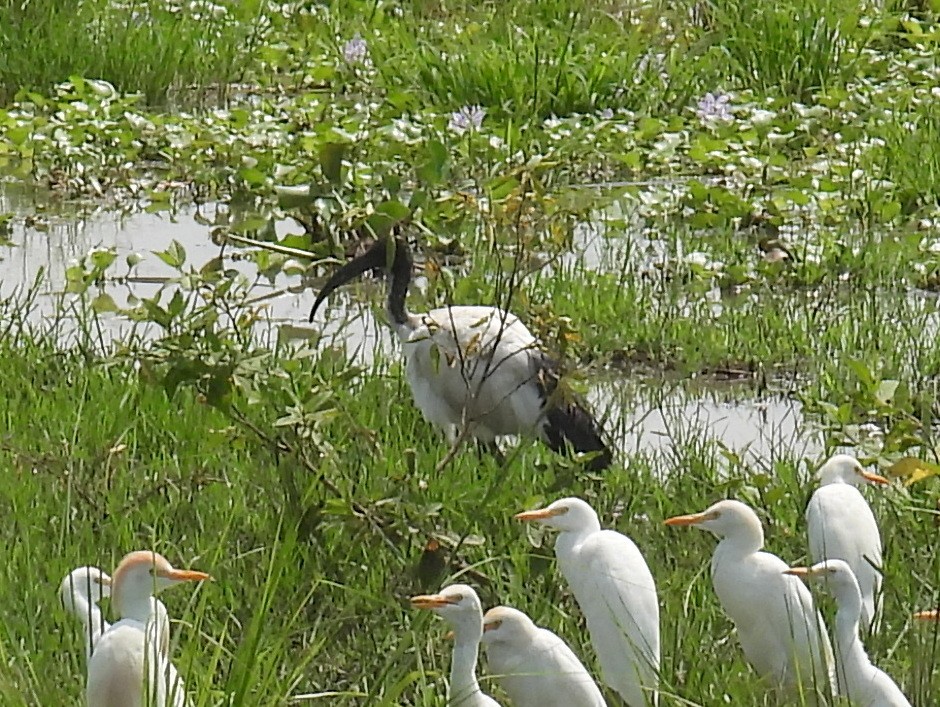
535	60
154	47
910	156
791	48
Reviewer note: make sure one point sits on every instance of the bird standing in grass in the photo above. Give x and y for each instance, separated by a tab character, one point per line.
859	680
476	367
615	590
129	666
460	607
841	526
781	633
535	667
81	590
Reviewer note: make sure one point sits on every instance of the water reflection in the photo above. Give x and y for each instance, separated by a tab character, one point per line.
642	415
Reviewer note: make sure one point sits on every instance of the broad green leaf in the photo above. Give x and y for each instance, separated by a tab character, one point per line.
104	303
174	256
331	161
912	470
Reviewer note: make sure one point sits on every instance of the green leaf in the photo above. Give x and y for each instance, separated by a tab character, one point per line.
886	390
331	161
174	256
912	470
387	215
104	303
432	168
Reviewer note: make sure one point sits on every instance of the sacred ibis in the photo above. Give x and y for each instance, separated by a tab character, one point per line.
474	366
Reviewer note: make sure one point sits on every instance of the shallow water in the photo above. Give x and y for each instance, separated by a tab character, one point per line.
642	414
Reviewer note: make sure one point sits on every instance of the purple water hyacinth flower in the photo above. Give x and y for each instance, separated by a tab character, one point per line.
355	50
713	107
467	118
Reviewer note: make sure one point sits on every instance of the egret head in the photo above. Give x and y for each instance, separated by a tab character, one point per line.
836	574
725	519
389	254
458	604
88	582
565	514
507	626
843	468
142	574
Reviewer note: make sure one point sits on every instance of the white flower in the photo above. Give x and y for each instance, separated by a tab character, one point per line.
467	118
762	117
355	50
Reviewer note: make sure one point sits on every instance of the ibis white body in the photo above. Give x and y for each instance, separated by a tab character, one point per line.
476	368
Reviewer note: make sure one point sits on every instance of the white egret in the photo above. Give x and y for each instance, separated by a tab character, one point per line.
460	607
129	667
614	587
859	680
81	590
841	526
534	666
476	367
781	633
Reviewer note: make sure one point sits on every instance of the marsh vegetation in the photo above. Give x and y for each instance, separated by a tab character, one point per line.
709	210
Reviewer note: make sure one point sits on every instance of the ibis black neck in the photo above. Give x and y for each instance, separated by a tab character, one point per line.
400	269
390	254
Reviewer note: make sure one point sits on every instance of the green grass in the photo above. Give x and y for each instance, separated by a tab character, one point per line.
149	46
316	548
305	485
794	48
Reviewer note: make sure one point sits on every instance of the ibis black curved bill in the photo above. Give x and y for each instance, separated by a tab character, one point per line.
375	257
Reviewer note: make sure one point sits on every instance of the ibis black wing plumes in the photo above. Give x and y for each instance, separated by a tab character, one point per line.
567	422
392	255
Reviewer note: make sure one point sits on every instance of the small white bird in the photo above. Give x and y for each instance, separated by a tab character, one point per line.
614	587
460	607
476	367
859	680
535	667
781	633
129	666
841	526
81	590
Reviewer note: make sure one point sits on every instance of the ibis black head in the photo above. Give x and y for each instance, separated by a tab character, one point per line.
390	254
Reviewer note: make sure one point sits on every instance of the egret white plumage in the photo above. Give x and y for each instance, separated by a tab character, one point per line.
534	666
474	366
863	683
615	590
781	633
129	666
459	606
81	590
841	526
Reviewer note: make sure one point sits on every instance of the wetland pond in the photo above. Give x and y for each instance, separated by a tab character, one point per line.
644	412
